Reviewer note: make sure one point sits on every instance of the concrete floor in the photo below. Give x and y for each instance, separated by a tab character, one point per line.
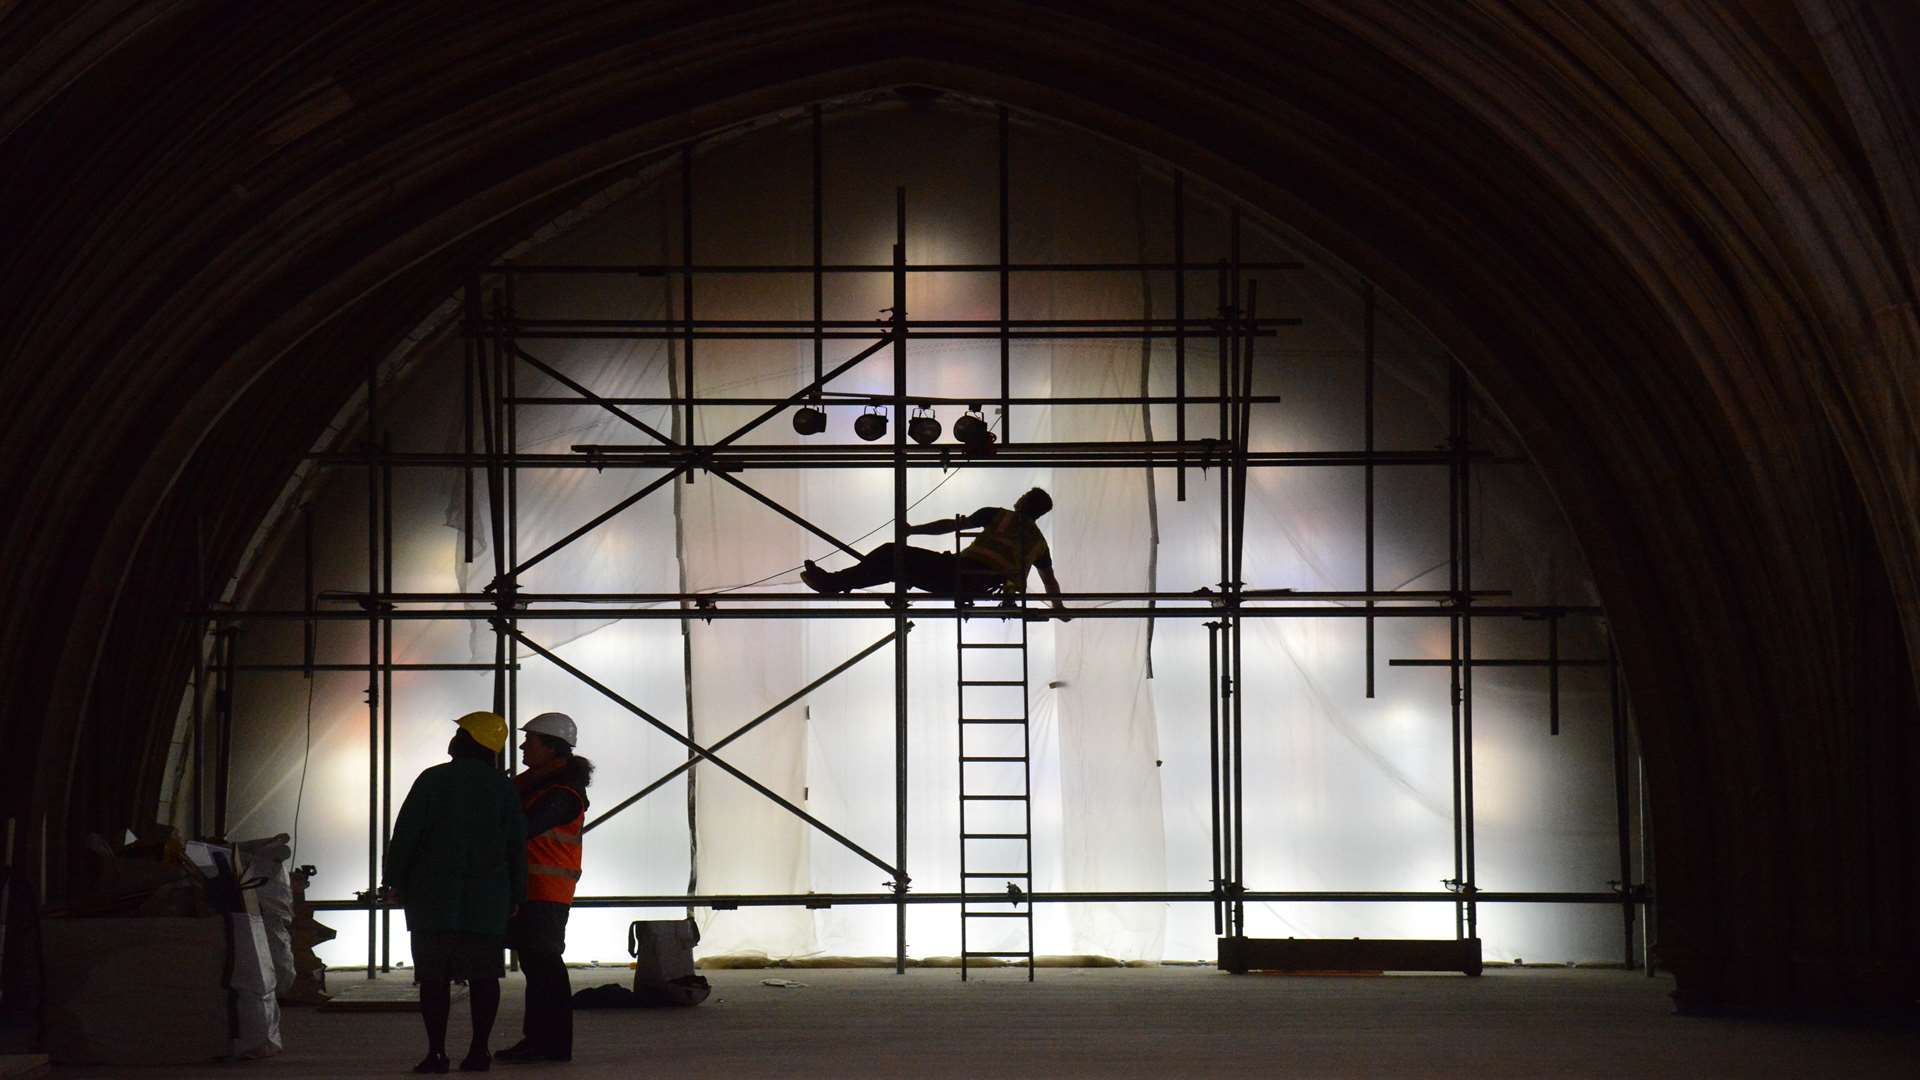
1116	1023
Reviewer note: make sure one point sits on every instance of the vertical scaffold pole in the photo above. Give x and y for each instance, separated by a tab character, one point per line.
1006	302
1368	347
686	290
899	577
468	365
1466	651
510	427
1651	923
373	668
1180	333
1225	688
1553	674
1213	767
386	684
1242	427
1621	819
1453	632
486	380
819	255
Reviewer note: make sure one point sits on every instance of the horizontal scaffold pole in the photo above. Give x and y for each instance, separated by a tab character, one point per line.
854	456
914	326
827	900
1196	595
859	335
854	398
669	269
1244	611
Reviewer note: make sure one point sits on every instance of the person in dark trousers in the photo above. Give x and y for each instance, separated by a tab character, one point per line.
458	863
553	796
998	561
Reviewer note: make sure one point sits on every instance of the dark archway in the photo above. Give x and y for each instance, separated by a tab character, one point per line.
1675	245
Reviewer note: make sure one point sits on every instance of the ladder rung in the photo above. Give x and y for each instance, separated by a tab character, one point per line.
1008	955
993	720
993	682
992	757
995	798
988	873
990	645
993	914
994	836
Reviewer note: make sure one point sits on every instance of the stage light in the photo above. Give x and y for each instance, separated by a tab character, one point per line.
972	431
808	420
924	427
871	425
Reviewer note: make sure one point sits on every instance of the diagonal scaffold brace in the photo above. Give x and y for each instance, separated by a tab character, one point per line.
503	628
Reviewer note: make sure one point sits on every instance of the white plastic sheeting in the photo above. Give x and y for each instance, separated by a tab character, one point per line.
1342	792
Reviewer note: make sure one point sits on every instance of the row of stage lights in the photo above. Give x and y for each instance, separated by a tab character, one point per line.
970	430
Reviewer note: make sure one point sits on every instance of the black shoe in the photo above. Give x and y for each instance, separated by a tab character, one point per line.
520	1051
478	1061
432	1063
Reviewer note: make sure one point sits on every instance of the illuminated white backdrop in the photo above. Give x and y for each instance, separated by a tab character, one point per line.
1342	792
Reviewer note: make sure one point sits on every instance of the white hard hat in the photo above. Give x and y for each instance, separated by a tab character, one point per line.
557	724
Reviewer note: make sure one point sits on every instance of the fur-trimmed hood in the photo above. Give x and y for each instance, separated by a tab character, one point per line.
574	771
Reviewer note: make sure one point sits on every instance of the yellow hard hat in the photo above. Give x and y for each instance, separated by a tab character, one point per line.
488	729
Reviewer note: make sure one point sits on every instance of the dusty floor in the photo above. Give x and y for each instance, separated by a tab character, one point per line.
1115	1023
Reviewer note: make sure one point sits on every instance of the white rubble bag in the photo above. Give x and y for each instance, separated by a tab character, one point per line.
159	991
254	1010
265	860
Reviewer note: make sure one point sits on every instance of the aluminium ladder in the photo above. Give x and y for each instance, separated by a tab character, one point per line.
997	893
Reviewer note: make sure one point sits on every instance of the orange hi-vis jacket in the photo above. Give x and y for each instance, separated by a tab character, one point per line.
553	857
1010	545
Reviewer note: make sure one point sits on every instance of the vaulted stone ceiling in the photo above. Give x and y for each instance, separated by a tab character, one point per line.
1674	241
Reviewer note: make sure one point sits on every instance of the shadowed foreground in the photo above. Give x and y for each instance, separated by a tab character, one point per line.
1146	1022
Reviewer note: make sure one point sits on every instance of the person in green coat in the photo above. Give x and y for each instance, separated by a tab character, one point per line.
458	863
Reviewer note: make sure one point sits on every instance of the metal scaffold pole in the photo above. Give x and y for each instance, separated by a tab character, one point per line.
900	882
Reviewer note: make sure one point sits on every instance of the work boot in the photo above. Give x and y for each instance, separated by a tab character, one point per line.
434	1062
814	578
520	1051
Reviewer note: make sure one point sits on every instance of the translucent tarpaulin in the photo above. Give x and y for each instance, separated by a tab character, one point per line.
1343	792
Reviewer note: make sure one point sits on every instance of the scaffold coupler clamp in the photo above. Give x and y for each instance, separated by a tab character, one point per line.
1637	894
1459	888
706	603
506	591
899	888
1014	895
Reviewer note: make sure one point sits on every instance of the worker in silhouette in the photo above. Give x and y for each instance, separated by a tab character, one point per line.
553	795
458	863
998	561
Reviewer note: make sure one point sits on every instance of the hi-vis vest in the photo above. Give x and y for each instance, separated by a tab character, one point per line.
553	857
1010	545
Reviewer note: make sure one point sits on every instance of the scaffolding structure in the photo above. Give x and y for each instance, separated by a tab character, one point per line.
497	350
